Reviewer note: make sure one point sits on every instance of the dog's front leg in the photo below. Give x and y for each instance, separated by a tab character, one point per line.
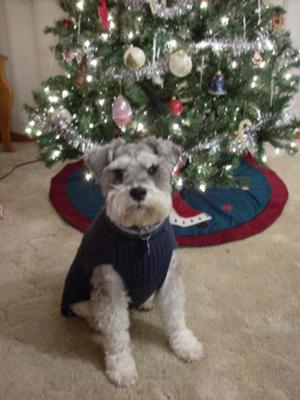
111	317
170	301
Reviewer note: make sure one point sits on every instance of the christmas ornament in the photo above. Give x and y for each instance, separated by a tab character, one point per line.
257	59
134	58
69	55
102	13
179	167
243	127
218	88
181	64
67	23
277	22
122	112
61	117
175	107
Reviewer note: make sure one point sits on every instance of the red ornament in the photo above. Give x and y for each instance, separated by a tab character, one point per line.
179	167
277	22
102	13
67	23
175	107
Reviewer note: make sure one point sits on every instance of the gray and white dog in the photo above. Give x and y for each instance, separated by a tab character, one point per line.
128	257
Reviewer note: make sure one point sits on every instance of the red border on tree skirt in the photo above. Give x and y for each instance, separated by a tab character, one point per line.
279	197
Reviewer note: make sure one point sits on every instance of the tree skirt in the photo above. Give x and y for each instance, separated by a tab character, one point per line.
199	219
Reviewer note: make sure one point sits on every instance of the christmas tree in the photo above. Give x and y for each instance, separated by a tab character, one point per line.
214	76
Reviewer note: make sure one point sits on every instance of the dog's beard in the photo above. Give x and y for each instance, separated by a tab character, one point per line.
123	210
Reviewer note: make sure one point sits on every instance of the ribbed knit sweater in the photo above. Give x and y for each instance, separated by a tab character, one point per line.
142	265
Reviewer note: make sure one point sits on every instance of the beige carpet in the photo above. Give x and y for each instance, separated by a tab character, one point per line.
243	301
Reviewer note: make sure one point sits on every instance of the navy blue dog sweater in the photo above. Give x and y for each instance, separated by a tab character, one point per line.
142	265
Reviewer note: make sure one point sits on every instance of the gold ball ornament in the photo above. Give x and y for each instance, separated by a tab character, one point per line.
181	64
134	58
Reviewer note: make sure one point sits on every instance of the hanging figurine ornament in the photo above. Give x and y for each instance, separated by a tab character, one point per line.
180	64
67	23
257	59
218	86
244	126
277	21
102	13
134	58
122	112
160	9
175	107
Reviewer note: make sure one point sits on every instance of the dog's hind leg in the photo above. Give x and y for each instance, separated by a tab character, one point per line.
111	318
170	301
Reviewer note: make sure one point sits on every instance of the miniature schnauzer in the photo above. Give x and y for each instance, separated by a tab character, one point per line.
128	257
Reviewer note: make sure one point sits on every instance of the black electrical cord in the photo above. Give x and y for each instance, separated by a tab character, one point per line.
18	166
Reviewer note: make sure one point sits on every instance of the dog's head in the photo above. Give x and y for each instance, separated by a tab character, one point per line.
135	179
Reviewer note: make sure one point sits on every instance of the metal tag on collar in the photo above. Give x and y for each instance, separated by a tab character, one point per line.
147	240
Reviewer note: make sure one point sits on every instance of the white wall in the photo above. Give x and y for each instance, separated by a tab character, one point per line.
22	39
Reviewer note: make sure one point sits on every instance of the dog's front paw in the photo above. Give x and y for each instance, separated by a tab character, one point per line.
186	346
121	369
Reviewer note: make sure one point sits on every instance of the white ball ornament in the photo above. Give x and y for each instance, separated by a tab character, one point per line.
181	64
134	58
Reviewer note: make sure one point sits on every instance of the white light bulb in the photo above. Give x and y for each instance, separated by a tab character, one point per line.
277	151
91	125
140	127
101	102
51	109
130	35
104	36
89	78
293	144
57	137
39	133
203	5
54	99
87	43
80	5
172	44
55	154
234	64
65	94
88	176
47	90
31	123
225	20
288	76
264	158
228	167
94	62
175	127
179	182
202	187
28	130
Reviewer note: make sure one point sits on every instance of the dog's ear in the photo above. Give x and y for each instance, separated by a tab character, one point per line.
98	157
166	149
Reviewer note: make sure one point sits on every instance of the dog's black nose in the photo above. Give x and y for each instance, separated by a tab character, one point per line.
138	193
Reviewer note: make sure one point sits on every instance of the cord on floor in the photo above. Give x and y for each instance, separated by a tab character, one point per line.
18	166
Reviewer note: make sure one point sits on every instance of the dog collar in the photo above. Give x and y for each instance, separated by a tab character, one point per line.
142	233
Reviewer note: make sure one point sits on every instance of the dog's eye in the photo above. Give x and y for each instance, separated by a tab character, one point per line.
153	170
118	175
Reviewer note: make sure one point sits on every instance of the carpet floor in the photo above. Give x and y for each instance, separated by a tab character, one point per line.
243	301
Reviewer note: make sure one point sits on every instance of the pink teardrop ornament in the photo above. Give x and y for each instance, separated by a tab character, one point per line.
122	112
